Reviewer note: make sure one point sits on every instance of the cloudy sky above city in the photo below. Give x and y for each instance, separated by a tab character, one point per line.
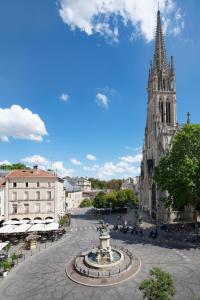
73	77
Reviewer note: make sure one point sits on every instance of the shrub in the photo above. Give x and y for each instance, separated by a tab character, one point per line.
159	286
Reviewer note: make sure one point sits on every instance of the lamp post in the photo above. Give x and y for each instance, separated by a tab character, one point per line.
110	204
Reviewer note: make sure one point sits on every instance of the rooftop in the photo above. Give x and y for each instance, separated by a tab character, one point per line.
32	173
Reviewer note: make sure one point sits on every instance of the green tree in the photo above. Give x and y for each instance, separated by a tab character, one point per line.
178	172
117	199
132	199
97	183
13	167
159	286
100	200
114	184
86	203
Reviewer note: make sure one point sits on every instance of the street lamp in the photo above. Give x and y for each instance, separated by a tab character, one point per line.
110	204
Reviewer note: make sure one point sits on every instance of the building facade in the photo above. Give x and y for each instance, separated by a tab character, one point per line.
33	194
161	124
2	200
77	184
74	199
128	184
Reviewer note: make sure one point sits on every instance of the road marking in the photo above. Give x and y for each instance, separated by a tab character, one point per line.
182	255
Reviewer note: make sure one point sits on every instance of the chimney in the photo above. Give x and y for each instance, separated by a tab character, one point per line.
35	167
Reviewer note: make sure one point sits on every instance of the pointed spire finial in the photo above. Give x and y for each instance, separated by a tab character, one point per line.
158	6
188	118
160	52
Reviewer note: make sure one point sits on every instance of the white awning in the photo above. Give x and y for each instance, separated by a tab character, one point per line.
37	227
3	245
8	229
37	222
49	220
52	226
22	228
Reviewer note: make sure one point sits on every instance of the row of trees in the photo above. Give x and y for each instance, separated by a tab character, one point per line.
178	171
115	199
114	184
13	167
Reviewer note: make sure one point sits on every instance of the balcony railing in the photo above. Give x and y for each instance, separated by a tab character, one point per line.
25	200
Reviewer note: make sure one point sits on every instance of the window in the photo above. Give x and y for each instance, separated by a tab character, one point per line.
14	184
168	114
161	111
38	195
37	207
14	209
48	207
48	195
26	208
38	184
49	184
26	184
26	195
14	196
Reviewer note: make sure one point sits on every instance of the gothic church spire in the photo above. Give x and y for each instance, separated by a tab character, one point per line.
160	61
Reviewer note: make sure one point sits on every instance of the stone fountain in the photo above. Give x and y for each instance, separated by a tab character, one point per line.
104	264
104	256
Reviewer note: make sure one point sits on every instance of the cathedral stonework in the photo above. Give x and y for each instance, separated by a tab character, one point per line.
161	124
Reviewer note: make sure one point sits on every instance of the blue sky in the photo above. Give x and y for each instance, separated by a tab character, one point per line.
73	83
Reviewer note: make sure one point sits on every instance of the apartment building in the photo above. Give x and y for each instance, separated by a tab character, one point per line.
2	195
77	184
33	194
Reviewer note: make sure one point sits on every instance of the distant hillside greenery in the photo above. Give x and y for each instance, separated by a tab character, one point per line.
114	184
13	167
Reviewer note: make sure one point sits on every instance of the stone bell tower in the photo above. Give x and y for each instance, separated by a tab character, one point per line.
161	123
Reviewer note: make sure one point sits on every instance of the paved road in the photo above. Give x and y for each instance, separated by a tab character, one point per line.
42	276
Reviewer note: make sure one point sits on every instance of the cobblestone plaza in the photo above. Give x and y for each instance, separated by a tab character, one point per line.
42	276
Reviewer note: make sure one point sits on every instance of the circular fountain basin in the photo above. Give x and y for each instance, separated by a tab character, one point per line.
90	259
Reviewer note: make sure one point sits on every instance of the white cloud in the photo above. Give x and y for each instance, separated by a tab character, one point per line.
58	167
75	161
118	170
91	169
131	159
106	16
102	100
35	160
91	157
5	162
64	97
45	164
20	123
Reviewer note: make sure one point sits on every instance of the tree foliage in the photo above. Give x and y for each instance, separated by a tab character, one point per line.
159	286
178	172
117	199
13	167
113	184
86	203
